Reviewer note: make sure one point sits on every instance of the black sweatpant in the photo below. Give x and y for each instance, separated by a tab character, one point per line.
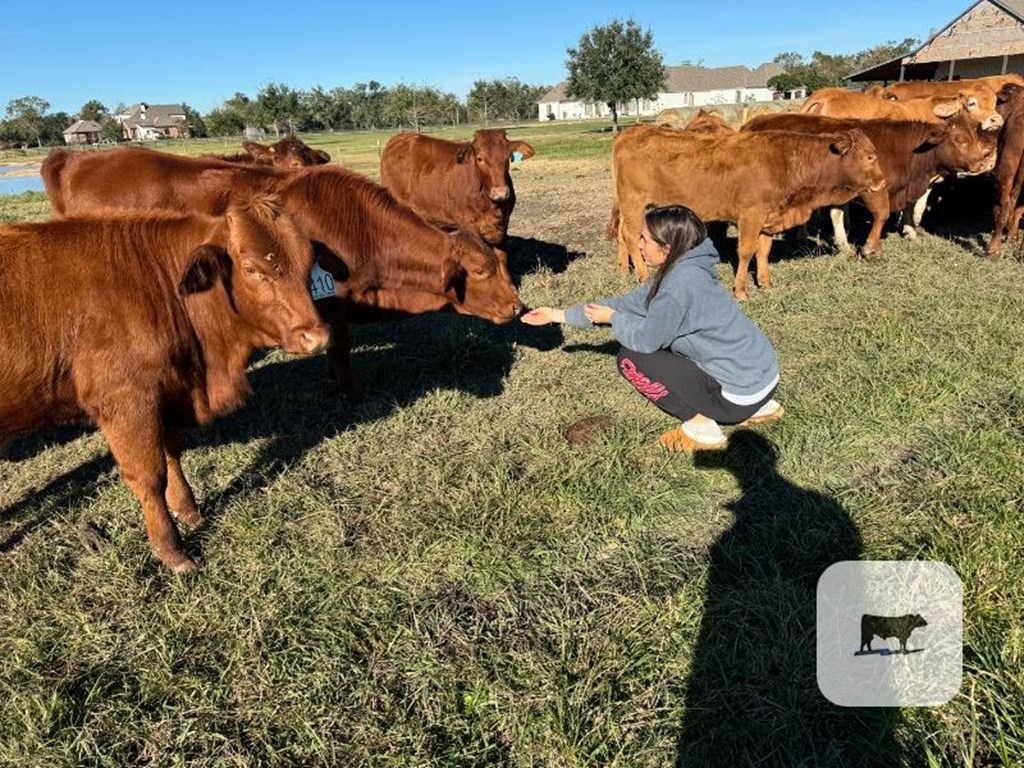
676	385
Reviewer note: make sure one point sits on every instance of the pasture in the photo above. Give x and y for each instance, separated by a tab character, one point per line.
436	575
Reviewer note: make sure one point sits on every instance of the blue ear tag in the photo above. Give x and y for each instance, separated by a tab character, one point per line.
517	156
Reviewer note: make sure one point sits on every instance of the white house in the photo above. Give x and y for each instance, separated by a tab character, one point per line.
684	87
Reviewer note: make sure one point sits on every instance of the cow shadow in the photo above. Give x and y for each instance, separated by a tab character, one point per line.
527	255
294	408
752	696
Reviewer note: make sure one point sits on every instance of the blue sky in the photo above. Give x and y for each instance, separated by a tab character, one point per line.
201	53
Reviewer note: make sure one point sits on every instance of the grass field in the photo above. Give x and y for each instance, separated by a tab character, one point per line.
436	576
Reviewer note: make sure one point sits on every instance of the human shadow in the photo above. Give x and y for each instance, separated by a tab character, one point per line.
527	255
752	697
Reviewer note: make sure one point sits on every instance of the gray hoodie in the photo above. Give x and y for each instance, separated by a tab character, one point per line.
693	316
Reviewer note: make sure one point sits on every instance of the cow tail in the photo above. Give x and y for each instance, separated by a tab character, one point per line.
612	230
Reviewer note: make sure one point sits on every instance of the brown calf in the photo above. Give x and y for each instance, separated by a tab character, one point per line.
764	182
455	184
144	325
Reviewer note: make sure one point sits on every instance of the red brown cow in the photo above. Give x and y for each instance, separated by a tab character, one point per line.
979	102
915	89
1009	170
382	254
764	182
144	325
289	152
910	155
461	184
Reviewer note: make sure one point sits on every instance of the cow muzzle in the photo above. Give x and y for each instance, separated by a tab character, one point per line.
308	340
992	123
499	193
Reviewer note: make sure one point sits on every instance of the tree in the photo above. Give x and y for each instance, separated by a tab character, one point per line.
26	118
826	70
195	122
93	110
277	106
506	99
613	64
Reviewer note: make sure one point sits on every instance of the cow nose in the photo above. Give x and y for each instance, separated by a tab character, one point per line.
309	340
499	193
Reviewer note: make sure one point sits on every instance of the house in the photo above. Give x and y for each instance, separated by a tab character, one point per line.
986	39
684	87
145	122
82	132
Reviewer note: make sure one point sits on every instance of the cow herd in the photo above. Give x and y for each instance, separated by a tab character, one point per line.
885	147
138	306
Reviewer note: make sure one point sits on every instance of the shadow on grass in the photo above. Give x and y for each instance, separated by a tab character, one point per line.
294	408
752	696
527	254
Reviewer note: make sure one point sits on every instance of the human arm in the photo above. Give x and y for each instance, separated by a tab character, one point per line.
543	316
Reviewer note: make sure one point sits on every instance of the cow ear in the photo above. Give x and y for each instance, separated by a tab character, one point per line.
453	278
934	136
207	264
886	94
463	154
840	144
947	108
525	150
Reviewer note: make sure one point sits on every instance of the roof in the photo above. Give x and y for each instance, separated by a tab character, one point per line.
986	28
83	126
156	115
698	79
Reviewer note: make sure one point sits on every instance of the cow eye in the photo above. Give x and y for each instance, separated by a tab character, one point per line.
972	103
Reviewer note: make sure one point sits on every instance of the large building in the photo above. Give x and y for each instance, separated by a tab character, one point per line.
684	87
145	122
986	39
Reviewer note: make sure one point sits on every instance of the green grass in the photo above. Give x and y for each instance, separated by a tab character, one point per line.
435	576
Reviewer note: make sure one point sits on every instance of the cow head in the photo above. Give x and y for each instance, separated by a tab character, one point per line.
264	265
475	277
858	159
965	147
490	151
978	102
291	152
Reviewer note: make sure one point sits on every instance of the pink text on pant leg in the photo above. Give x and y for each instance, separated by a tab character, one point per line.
652	390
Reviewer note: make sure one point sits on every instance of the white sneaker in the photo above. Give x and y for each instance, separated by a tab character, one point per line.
766	414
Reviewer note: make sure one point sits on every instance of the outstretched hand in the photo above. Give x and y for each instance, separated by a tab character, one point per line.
543	316
598	314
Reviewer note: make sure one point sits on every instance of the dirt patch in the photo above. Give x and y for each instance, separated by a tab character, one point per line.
586	429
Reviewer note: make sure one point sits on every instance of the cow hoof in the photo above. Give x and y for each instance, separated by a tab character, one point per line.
178	562
741	295
910	233
191	518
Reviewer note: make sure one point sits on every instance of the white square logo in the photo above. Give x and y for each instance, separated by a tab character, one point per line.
890	633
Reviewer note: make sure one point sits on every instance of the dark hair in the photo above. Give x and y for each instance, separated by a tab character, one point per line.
677	228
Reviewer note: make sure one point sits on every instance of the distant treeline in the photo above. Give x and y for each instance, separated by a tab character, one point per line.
278	108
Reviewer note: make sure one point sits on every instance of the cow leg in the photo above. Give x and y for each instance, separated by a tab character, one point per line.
838	216
179	494
747	245
339	363
764	275
920	207
629	245
877	204
138	448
